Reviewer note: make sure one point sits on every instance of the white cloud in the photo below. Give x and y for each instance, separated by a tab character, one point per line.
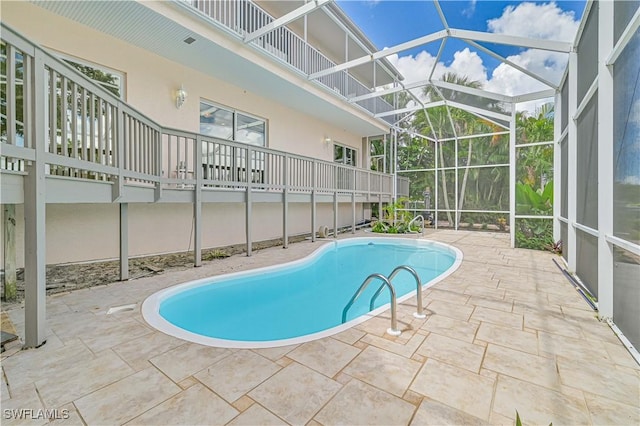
470	10
543	21
417	68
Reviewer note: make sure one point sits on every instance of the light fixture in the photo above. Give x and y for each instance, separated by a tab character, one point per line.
327	140
181	97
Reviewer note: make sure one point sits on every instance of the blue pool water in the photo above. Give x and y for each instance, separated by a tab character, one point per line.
296	299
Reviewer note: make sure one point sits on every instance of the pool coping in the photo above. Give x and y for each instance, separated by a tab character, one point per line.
151	305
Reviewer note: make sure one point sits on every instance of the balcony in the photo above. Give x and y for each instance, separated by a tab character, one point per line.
243	17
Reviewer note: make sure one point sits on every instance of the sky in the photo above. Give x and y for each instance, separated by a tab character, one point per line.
391	22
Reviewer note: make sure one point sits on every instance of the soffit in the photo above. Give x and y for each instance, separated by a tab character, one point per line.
163	36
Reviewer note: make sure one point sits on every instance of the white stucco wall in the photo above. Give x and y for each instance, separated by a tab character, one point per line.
151	82
88	232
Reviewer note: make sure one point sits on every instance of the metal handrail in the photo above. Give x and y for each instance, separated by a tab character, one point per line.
394	321
418	313
414	219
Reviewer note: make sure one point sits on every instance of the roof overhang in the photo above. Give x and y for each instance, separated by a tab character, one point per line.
215	53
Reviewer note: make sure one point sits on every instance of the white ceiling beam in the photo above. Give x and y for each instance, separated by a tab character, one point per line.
480	111
409	109
286	18
400	88
435	63
472	91
534	96
512	64
553	46
441	14
381	54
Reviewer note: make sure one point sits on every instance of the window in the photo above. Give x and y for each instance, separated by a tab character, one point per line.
344	154
110	80
228	124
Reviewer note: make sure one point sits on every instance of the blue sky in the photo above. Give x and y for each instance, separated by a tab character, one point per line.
390	22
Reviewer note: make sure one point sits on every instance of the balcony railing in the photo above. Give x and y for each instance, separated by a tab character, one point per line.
82	131
244	17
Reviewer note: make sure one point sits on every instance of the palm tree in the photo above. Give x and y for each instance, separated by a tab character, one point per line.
449	122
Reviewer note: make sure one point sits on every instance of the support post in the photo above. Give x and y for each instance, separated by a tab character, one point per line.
512	175
605	160
249	201
557	166
335	204
285	203
10	277
314	219
572	162
197	204
35	216
124	241
353	203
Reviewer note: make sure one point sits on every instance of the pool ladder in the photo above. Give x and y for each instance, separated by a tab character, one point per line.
387	282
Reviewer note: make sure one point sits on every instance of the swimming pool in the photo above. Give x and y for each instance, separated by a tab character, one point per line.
297	301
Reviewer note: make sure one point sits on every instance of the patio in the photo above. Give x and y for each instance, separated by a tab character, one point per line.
505	332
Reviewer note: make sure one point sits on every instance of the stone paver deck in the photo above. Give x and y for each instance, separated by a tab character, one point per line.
505	332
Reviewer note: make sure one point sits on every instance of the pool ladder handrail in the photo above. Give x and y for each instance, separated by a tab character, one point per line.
416	218
418	314
385	282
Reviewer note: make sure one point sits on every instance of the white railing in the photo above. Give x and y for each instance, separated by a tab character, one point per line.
244	17
90	134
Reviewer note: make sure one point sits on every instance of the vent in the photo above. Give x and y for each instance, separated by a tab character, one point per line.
189	40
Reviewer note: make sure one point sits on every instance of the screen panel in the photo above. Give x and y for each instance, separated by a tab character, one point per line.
587	165
626	294
587	260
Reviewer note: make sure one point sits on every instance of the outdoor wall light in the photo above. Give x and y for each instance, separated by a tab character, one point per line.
181	97
327	140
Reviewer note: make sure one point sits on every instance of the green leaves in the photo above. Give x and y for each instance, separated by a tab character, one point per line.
530	201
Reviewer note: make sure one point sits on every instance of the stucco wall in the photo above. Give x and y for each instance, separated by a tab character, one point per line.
151	82
84	232
90	232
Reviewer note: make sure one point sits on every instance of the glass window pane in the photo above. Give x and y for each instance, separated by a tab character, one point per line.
250	130
109	81
216	122
338	154
350	156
